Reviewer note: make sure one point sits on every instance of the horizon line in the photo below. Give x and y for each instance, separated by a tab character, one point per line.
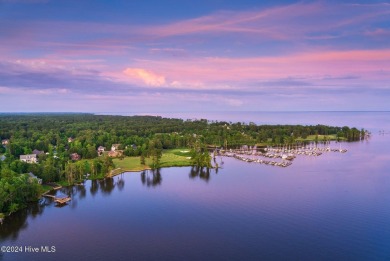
110	112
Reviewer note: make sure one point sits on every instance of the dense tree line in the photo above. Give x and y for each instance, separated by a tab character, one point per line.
44	132
138	135
16	190
200	156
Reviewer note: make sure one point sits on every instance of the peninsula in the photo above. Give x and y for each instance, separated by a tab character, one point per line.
39	149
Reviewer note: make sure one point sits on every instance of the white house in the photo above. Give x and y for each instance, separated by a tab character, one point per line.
29	158
115	147
100	150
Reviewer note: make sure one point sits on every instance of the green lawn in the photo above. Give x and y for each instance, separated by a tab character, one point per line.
179	152
176	158
131	163
169	158
45	188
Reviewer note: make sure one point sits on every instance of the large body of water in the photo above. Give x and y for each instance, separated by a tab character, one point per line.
332	207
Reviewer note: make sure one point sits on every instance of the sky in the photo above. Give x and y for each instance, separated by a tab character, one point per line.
184	56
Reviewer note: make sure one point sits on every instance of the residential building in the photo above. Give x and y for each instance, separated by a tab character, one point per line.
114	154
100	150
29	158
115	147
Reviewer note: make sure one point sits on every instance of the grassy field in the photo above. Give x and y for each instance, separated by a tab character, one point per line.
176	158
45	188
169	158
131	164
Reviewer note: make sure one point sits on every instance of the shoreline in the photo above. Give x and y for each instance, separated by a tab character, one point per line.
113	173
170	159
119	171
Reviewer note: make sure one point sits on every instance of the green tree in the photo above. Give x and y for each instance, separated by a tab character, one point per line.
142	159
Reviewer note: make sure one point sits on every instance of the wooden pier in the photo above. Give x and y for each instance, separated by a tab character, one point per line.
58	200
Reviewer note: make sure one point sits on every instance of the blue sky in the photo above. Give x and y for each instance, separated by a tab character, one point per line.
172	56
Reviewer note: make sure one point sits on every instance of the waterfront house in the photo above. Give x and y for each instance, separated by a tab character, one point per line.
75	156
100	150
29	158
115	147
114	154
33	177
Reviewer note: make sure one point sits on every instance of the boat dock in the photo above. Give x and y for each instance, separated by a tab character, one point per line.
58	200
260	161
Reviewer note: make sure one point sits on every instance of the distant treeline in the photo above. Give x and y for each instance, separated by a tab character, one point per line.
43	131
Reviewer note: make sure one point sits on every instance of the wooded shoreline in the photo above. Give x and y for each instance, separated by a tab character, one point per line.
69	148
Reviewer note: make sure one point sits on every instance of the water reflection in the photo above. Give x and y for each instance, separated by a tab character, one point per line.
94	188
121	182
151	178
107	185
12	226
82	192
333	207
202	173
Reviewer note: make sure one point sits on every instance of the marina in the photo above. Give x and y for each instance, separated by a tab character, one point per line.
287	154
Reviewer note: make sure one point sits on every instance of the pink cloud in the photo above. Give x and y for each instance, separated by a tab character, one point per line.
148	77
295	22
264	22
5	90
26	91
55	65
378	32
282	22
151	56
314	65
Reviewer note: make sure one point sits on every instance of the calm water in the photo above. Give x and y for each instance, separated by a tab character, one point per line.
332	207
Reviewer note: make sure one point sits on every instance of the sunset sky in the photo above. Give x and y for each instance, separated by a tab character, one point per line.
206	55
